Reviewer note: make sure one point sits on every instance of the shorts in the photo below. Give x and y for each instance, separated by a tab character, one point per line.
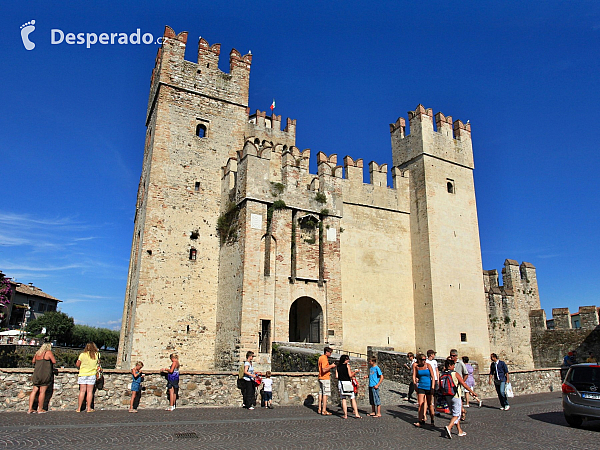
325	387
267	396
89	380
173	384
374	396
344	396
425	391
455	404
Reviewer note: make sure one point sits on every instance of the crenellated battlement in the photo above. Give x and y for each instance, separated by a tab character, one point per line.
204	77
269	127
587	318
450	140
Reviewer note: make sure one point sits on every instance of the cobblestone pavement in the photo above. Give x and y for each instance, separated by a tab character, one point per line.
533	422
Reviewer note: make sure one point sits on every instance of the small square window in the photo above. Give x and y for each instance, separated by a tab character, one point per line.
463	337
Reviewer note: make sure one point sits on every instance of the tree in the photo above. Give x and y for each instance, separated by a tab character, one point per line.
58	326
102	337
5	291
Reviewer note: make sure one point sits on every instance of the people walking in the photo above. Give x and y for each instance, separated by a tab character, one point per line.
324	380
344	375
499	373
88	366
470	380
43	376
172	380
436	373
450	381
423	378
461	369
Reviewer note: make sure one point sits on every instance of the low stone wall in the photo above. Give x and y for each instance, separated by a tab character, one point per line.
523	382
196	389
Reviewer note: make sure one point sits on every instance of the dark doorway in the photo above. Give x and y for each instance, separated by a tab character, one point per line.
265	336
306	316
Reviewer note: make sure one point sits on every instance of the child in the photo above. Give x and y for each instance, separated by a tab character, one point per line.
137	378
375	378
268	390
172	380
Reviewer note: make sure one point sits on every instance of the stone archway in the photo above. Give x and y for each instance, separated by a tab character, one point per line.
306	318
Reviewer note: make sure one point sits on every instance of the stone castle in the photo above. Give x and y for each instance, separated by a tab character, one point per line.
237	245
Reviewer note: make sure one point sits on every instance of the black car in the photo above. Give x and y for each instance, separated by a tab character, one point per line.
581	393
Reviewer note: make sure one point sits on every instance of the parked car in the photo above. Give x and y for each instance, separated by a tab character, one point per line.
581	393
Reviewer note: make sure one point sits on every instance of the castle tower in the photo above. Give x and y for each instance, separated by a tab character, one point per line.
448	287
196	119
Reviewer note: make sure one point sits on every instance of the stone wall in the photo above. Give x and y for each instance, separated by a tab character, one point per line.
549	346
288	359
196	389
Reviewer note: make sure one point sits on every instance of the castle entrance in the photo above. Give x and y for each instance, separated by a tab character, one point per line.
306	316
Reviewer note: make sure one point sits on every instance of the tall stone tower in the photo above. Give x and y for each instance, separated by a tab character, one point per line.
196	119
449	297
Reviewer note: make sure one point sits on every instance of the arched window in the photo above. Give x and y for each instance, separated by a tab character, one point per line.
201	130
450	185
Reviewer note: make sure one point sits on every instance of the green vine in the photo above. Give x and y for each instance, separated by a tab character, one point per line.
277	188
277	204
321	198
227	224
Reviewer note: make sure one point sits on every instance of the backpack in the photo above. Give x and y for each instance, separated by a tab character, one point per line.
240	379
447	385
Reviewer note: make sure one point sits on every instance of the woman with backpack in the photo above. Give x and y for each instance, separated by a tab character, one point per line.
449	387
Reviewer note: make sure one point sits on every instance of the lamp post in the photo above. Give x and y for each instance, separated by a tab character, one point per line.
27	315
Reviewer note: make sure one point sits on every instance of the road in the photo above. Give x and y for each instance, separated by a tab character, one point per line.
534	421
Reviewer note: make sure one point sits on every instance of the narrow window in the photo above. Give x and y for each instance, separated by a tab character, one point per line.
197	186
192	254
463	337
201	130
450	185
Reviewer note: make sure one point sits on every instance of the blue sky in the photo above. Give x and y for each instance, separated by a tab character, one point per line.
524	73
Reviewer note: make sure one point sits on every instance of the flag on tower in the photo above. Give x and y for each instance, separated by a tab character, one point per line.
273	105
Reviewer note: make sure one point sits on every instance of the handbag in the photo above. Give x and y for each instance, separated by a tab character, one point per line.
99	375
509	390
354	385
347	387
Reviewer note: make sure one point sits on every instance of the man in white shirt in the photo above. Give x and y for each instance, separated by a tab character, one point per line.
436	374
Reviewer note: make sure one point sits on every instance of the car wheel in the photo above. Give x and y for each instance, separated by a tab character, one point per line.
574	421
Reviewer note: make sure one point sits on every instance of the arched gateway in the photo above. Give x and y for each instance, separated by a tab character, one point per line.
306	317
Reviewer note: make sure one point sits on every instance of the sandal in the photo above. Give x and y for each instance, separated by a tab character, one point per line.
326	413
358	417
42	412
31	411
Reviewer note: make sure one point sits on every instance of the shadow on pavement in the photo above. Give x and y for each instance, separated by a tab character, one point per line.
557	418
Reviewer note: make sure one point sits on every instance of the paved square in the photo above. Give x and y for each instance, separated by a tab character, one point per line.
533	422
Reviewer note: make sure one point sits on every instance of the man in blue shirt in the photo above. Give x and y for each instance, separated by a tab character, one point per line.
499	372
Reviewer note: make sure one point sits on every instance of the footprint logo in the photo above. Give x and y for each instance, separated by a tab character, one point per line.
26	30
